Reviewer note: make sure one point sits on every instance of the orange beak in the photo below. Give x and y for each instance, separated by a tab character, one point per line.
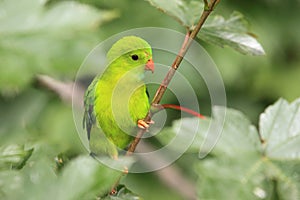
150	65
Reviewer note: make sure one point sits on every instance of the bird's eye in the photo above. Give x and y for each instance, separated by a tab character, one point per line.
135	57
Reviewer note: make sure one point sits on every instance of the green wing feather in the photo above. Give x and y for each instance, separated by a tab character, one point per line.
89	117
99	144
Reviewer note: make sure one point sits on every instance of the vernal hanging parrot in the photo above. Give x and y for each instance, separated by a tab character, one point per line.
116	101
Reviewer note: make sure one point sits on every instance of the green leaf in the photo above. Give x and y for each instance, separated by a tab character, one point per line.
14	156
40	38
81	178
182	129
238	135
280	130
236	165
225	178
233	32
187	13
235	123
86	178
123	193
285	178
34	181
36	16
11	183
243	168
19	112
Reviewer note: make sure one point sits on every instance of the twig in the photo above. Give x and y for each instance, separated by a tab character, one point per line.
181	108
190	36
63	89
171	175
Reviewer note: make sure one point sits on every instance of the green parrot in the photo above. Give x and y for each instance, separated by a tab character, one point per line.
117	101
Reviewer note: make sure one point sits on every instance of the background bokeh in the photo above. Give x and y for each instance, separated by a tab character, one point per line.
54	38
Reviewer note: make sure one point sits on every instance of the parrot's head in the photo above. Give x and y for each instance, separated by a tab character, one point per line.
130	52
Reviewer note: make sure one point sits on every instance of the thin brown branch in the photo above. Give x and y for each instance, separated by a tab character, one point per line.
171	175
63	89
190	36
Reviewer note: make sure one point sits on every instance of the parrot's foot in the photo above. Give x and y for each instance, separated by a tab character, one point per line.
144	125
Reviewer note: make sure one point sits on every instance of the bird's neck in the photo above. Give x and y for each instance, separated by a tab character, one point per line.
135	75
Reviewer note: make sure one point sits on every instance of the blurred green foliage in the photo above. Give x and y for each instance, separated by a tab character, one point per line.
246	163
53	37
252	83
